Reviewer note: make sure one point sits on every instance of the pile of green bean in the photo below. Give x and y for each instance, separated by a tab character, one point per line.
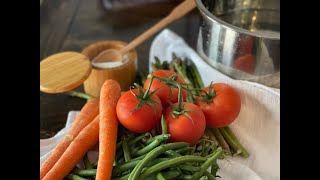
149	156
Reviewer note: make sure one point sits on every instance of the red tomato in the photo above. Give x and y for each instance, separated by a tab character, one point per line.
182	128
224	107
163	91
245	45
245	63
144	119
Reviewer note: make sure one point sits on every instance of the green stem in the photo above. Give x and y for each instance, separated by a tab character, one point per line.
148	89
230	141
244	152
196	74
163	125
221	140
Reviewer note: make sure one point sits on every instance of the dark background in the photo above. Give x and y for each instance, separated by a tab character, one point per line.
70	25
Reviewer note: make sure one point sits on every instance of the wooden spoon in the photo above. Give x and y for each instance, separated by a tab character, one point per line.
116	55
65	71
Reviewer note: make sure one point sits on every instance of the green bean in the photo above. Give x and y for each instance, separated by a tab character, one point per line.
152	155
150	140
189	168
222	141
75	177
172	153
230	141
208	163
151	145
183	150
163	125
160	176
156	161
147	148
139	158
244	152
85	172
169	163
210	176
119	169
126	151
125	177
135	140
186	177
86	162
204	178
171	174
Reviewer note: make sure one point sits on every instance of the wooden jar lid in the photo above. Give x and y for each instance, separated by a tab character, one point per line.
63	72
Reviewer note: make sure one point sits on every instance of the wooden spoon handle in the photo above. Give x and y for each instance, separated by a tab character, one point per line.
176	13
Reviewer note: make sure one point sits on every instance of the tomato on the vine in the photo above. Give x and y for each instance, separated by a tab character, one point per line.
188	126
164	91
220	104
137	114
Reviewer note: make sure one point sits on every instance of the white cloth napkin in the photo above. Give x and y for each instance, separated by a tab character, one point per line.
257	126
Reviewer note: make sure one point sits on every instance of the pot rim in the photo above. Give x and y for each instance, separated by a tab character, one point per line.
206	14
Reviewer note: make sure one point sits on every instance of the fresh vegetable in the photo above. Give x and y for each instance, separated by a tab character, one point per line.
192	75
139	110
228	132
220	104
245	63
188	126
166	92
76	150
152	155
89	111
108	127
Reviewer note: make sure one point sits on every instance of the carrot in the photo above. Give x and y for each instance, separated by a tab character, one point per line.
86	139
86	115
108	128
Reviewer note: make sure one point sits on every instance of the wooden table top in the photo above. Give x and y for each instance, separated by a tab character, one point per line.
73	24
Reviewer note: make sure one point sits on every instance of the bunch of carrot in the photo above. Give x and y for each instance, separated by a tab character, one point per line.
96	122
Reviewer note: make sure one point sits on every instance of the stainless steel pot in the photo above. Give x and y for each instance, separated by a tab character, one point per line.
241	38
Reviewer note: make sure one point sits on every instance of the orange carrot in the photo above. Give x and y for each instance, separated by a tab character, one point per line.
86	115
86	139
108	128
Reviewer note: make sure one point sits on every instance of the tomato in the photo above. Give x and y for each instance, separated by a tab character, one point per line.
182	128
223	108
245	45
245	63
142	120
163	90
